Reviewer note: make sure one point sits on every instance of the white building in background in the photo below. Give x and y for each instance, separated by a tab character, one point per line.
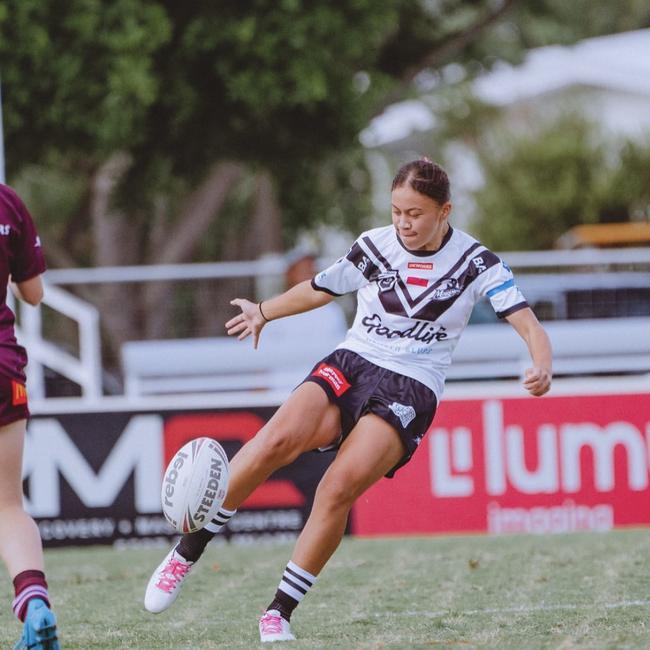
606	78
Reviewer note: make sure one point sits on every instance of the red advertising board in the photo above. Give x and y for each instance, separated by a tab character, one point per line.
555	464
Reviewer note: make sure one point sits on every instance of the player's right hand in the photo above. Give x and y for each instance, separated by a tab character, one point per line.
247	323
537	381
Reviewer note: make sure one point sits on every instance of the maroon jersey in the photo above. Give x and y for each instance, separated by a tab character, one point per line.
21	258
21	255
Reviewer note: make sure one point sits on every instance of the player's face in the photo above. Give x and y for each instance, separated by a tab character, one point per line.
420	221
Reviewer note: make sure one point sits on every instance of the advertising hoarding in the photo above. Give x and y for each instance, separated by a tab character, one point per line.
95	478
550	465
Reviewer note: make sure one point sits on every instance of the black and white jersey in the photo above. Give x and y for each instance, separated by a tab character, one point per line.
412	306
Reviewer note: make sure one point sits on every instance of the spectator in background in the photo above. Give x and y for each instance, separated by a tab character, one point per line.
329	320
22	263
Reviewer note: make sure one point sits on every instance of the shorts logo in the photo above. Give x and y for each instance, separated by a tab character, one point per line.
18	393
334	377
405	413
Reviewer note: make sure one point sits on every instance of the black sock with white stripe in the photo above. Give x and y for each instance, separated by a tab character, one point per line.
192	545
293	587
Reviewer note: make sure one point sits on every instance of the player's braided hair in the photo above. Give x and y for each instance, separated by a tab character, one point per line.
426	177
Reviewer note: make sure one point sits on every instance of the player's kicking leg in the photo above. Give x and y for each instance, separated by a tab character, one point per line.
368	453
307	420
20	548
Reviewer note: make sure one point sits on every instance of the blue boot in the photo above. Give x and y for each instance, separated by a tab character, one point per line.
39	632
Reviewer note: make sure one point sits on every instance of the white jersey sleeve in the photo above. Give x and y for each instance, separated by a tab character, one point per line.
498	284
347	274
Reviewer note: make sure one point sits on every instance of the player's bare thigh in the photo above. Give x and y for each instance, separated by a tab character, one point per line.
12	437
307	419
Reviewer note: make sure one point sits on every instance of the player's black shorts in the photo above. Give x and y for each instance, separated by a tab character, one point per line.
358	386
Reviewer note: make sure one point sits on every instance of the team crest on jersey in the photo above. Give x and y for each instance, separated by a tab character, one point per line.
405	413
386	281
448	289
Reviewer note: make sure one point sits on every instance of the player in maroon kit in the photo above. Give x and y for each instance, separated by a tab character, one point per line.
21	263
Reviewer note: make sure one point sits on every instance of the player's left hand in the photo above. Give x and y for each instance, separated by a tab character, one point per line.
537	381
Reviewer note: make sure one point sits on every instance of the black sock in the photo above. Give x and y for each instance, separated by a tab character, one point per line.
192	545
284	604
293	587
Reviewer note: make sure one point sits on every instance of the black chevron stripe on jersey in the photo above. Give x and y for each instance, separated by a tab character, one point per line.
432	309
358	257
390	300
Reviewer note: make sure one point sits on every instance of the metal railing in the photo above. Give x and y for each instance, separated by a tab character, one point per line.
86	368
600	259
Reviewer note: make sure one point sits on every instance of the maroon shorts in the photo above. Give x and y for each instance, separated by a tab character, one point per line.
13	394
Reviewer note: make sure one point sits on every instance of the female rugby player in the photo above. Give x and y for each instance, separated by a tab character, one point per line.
375	396
22	263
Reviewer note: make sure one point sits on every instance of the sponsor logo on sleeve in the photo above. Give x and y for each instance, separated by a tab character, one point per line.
363	264
334	377
479	263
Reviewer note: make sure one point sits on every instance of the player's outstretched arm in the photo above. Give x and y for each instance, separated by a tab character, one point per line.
537	380
253	316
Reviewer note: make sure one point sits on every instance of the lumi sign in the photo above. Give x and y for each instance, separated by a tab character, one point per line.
521	465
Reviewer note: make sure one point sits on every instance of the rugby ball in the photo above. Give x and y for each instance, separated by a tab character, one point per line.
195	484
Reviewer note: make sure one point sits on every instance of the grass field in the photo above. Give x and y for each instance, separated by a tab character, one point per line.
578	591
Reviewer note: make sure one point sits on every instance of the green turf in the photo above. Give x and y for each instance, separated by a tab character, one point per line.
577	591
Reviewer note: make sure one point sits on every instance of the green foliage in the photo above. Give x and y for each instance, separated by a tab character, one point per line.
537	185
77	76
284	86
626	194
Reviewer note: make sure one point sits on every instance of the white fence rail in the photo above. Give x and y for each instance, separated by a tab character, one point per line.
145	374
602	259
86	369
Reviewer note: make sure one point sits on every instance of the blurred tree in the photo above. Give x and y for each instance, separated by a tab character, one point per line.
538	184
542	182
151	131
625	194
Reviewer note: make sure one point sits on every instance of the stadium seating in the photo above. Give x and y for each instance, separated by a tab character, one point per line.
581	347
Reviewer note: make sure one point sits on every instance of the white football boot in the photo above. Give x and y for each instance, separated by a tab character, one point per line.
166	582
274	628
